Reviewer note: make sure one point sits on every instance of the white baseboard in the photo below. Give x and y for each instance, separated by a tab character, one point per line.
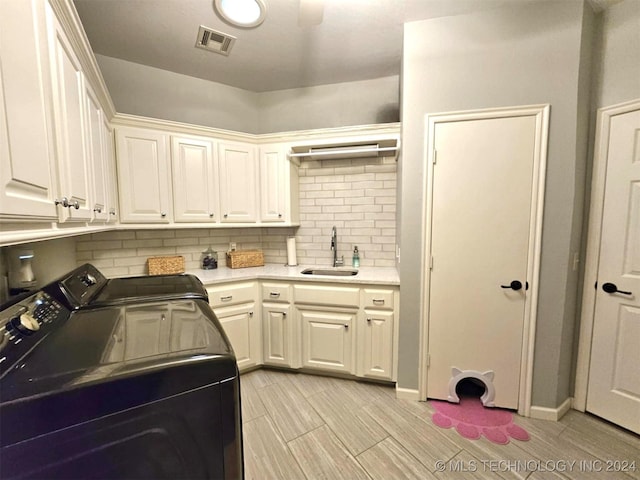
407	394
553	414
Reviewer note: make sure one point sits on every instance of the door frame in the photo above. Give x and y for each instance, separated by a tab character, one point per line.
594	239
541	114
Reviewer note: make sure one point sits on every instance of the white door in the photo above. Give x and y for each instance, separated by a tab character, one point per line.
614	374
327	340
96	154
273	184
377	350
277	335
26	143
238	182
243	330
143	176
195	178
481	209
68	101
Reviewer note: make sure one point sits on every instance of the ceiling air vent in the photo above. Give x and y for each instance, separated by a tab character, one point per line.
214	41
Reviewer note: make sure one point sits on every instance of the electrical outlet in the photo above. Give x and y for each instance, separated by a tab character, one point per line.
232	246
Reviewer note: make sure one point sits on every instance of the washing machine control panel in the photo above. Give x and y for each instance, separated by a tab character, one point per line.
24	324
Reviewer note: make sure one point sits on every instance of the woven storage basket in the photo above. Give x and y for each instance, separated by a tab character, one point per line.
165	265
245	258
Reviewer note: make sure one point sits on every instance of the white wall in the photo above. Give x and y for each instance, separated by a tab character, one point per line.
619	62
151	92
520	55
52	258
335	105
141	90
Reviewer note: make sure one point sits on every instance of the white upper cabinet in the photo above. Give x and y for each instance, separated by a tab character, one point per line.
195	180
97	155
68	101
110	170
273	184
238	182
143	176
27	180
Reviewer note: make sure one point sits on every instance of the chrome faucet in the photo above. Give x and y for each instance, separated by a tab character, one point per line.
334	247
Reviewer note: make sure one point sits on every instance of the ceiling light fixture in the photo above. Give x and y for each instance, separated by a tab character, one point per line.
242	13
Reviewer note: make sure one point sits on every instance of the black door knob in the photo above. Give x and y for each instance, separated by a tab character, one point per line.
613	288
515	285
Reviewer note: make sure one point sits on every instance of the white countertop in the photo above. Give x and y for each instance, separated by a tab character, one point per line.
366	275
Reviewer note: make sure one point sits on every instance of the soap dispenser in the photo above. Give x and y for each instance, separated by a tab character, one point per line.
356	257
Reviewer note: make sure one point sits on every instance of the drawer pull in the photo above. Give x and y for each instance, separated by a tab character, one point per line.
274	294
378	301
226	298
346	326
369	320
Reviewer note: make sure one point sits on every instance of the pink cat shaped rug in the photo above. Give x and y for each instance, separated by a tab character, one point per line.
472	420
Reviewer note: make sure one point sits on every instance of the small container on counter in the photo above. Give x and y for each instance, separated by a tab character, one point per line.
355	261
209	260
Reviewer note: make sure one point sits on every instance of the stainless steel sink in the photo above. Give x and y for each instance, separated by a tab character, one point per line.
326	271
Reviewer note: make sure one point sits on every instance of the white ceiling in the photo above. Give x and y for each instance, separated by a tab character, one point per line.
357	40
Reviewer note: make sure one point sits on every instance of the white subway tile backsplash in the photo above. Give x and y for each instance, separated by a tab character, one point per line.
357	196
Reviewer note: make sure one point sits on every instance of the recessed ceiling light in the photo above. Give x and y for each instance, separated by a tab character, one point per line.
242	13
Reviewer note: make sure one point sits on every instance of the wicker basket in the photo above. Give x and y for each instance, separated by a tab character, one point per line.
165	265
245	258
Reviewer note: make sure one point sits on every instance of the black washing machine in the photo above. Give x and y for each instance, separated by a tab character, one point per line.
103	381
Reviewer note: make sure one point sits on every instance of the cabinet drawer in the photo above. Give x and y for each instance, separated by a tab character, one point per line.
276	292
327	295
232	294
378	298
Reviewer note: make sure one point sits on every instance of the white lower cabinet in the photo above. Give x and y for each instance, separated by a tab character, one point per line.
279	326
375	344
327	340
325	327
278	335
236	309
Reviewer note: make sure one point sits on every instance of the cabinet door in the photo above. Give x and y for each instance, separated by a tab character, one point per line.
26	143
242	327
238	182
110	171
376	346
277	335
143	176
68	102
327	340
195	175
96	154
274	184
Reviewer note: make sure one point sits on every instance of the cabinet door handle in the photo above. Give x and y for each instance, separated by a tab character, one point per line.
284	314
163	214
226	298
211	215
97	209
279	215
251	314
369	319
226	215
75	205
64	201
274	294
112	211
378	301
346	326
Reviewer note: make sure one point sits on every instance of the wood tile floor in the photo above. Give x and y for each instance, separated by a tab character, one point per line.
300	426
